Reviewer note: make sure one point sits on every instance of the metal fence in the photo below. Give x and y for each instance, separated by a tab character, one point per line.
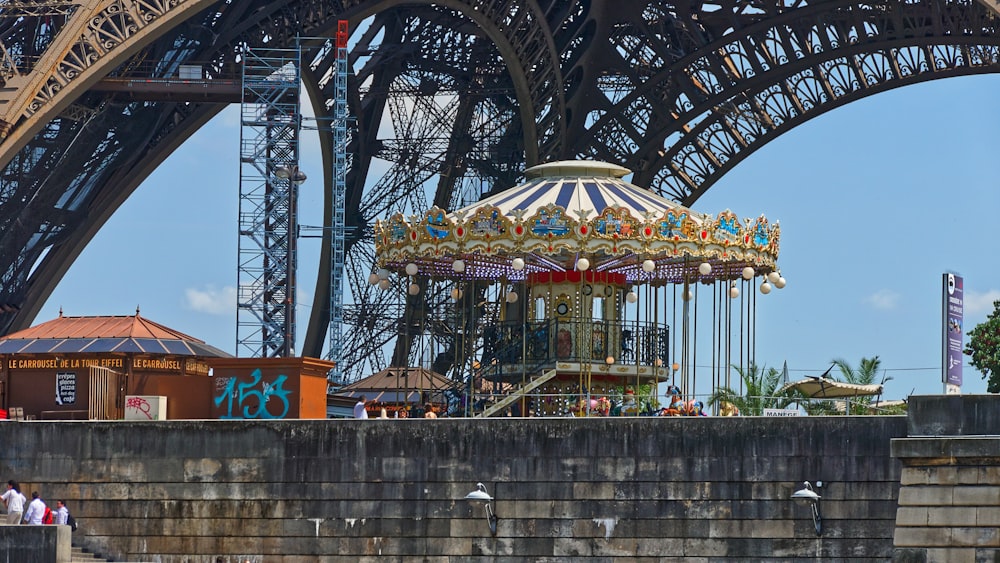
523	348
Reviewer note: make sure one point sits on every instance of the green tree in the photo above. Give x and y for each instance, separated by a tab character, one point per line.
984	349
761	385
865	374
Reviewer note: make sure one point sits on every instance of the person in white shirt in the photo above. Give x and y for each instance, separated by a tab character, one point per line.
62	513
36	509
359	408
14	501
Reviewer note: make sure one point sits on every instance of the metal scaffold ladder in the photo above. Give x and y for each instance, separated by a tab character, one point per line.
268	224
337	237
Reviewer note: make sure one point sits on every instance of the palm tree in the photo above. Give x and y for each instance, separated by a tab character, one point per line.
866	374
761	391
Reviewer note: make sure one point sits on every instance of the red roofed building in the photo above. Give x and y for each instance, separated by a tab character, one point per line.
84	367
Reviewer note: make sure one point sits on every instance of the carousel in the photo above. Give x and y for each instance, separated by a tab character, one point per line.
568	288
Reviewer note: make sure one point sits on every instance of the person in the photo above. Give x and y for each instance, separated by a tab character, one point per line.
62	513
36	509
359	408
429	411
14	501
629	404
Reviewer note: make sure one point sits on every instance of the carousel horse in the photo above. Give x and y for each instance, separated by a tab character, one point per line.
728	409
695	408
676	406
603	407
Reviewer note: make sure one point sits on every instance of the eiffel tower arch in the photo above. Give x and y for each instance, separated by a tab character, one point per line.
451	100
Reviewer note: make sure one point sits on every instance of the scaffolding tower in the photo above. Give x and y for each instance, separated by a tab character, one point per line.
337	236
268	224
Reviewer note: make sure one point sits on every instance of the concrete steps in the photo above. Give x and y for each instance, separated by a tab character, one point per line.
80	556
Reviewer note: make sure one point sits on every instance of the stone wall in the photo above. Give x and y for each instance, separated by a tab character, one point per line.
567	489
35	544
949	501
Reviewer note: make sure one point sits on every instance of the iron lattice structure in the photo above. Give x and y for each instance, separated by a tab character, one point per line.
448	100
269	178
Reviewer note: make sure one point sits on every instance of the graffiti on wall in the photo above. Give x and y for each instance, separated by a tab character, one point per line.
139	406
252	399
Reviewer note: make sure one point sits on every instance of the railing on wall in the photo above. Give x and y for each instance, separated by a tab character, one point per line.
107	394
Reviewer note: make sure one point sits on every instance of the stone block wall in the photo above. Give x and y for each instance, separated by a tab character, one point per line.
949	500
566	489
35	544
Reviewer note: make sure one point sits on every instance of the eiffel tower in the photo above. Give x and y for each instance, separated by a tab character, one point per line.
475	90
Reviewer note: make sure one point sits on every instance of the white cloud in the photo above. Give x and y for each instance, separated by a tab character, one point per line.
212	300
980	303
883	299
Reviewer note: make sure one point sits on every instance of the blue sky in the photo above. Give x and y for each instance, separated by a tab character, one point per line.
876	200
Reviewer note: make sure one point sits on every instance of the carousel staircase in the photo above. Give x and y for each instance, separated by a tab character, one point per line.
517	394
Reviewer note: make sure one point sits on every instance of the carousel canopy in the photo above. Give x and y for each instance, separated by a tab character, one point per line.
580	188
577	215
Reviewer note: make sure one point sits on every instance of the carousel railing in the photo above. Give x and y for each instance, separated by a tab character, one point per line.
514	350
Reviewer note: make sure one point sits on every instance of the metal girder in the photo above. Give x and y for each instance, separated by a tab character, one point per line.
29	8
993	5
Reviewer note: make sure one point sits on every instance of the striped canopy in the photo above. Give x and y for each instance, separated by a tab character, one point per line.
587	187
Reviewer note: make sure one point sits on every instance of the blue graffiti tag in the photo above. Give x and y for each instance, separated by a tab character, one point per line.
243	393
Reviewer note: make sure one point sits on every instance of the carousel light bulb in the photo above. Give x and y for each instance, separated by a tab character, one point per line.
772	276
456	293
659	362
609	360
675	366
704	268
765	288
373	278
582	264
383	274
512	297
687	295
734	291
413	289
780	283
458	266
748	273
517	264
631	297
411	269
648	266
383	284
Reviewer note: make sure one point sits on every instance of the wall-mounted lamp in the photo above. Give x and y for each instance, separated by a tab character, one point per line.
480	495
807	495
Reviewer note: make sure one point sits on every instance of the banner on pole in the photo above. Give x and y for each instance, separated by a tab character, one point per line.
952	306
